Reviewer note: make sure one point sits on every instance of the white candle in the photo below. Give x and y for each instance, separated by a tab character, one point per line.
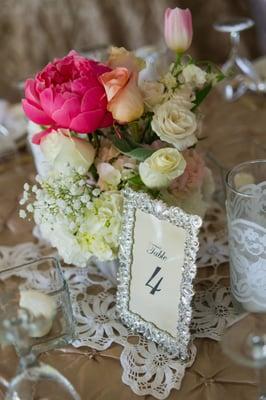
41	306
243	179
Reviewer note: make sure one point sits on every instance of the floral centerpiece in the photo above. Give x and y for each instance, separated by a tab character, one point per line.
102	128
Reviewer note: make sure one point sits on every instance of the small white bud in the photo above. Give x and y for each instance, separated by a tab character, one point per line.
22	214
82	182
30	208
77	205
96	192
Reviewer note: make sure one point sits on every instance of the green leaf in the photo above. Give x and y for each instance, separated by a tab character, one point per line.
94	172
122	144
132	149
140	153
220	77
200	95
135	180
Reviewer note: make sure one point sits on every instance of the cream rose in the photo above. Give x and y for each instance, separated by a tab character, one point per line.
61	149
162	167
194	75
183	97
153	93
175	124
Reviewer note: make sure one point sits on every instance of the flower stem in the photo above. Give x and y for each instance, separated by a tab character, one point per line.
177	63
178	59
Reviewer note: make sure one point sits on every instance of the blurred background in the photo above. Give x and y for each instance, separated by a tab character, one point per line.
35	31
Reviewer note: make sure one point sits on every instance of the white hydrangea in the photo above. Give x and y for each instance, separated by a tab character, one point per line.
77	219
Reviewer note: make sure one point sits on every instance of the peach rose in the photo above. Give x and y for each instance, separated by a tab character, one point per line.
124	97
120	57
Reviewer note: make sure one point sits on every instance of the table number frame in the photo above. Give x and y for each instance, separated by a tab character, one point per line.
134	201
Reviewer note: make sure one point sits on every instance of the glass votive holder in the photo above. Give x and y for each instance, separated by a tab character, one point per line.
231	151
246	217
30	282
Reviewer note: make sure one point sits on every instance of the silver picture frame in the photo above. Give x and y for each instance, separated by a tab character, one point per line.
180	344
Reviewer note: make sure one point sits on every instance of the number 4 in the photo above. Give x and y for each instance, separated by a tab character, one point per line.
156	287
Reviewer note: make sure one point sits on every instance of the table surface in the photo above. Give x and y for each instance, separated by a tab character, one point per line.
97	374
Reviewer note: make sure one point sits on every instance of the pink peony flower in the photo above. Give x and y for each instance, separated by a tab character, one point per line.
68	93
193	176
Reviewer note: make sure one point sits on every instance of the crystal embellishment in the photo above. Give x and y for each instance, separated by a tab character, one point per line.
191	224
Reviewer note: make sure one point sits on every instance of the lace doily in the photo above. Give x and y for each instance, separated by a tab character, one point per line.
147	369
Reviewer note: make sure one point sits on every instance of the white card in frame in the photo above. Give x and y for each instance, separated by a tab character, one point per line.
158	247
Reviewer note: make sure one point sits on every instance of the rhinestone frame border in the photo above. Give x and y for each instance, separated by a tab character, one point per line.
191	223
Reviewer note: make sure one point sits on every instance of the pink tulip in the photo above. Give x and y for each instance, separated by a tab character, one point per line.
178	29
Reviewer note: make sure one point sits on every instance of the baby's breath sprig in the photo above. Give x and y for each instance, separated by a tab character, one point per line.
75	216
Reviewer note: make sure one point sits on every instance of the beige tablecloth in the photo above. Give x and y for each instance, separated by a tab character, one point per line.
97	374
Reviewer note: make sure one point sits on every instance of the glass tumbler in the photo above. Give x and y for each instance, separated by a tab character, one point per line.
43	275
240	147
246	215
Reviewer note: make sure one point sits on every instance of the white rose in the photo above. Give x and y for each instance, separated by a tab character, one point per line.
153	93
194	75
183	97
109	177
175	124
158	170
60	149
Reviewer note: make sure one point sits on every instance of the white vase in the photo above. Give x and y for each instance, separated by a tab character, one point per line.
41	164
